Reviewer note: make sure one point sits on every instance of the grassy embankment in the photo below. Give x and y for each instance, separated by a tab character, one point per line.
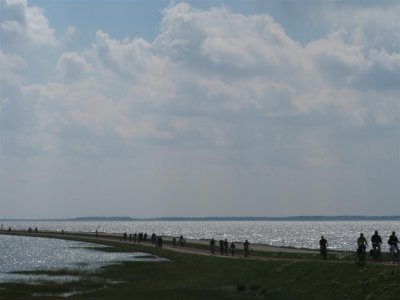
192	276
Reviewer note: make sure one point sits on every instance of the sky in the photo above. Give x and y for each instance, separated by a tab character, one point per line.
199	108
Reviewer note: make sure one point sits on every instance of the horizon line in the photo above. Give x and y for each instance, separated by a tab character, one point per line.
127	218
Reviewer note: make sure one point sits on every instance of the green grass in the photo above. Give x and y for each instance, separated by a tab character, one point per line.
191	276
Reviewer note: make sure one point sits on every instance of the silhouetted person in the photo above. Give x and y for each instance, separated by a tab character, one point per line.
226	246
145	237
212	246
140	237
135	237
159	242
323	247
153	238
174	242
30	230
393	241
362	242
232	246
181	241
362	246
36	230
9	229
125	236
221	247
376	241
62	231
96	234
246	248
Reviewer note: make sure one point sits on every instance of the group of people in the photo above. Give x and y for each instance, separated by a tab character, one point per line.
376	242
30	230
181	241
142	237
136	237
225	247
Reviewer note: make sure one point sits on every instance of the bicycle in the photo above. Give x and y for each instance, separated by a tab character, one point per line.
376	253
394	254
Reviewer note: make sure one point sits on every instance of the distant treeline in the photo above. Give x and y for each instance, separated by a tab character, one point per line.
291	218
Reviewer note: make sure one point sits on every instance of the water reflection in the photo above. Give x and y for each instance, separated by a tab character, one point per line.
29	253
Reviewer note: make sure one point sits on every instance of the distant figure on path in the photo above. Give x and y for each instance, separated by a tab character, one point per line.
125	236
393	241
96	234
226	246
232	246
323	247
182	241
145	237
36	230
9	229
153	238
221	247
212	246
62	231
174	242
246	248
159	242
135	237
376	241
394	249
362	246
30	230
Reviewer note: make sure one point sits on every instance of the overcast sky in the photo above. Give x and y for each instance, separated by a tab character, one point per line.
199	108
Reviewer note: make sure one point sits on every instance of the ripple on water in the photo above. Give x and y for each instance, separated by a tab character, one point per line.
29	253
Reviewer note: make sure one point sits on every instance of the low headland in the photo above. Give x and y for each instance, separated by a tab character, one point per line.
191	272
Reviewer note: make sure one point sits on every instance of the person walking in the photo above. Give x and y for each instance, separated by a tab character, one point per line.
246	248
323	246
362	246
212	246
226	247
394	248
221	247
232	247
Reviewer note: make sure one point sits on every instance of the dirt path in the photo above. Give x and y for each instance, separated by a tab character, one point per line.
187	249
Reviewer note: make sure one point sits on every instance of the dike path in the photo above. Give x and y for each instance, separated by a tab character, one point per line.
197	247
192	246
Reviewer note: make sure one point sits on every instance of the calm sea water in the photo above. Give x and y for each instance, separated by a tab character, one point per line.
341	235
30	253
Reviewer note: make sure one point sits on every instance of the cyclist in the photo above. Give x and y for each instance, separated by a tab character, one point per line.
376	242
323	245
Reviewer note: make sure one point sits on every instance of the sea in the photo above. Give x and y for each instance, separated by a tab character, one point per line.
341	235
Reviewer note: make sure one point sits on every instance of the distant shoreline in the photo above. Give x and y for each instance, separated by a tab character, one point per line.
290	218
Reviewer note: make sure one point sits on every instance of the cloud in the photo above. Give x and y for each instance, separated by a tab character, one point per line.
72	66
219	106
71	33
204	70
21	24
